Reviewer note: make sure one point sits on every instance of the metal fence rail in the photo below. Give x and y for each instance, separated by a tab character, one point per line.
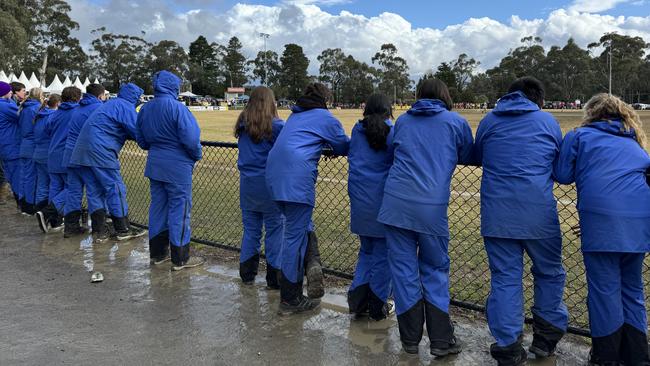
216	220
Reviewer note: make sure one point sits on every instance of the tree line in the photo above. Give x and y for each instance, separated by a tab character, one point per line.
37	37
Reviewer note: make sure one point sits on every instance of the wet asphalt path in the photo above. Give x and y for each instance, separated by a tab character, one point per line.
50	314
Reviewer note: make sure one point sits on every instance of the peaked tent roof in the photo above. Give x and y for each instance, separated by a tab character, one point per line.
96	81
87	81
67	82
77	84
3	77
25	81
55	86
34	81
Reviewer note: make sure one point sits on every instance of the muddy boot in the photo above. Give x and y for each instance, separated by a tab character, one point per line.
72	225
124	231
159	248
272	277
378	309
545	337
313	268
358	300
411	327
248	269
292	301
440	331
512	355
100	230
634	346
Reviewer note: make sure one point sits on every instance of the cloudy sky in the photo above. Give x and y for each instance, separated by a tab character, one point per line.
425	32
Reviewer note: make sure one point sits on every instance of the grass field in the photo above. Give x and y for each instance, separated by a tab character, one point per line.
216	216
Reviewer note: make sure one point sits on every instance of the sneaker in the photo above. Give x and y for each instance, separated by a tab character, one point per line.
300	305
158	261
42	222
25	214
387	310
57	229
101	237
191	263
132	233
315	288
441	349
411	349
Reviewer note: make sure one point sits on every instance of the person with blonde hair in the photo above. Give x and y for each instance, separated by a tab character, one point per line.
28	177
606	159
257	128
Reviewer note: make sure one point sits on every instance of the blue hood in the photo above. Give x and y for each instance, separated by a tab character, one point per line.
427	107
68	105
614	127
166	84
515	103
45	112
131	93
89	99
30	103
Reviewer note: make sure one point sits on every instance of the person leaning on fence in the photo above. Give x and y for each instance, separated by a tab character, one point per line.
10	140
28	111
257	129
291	173
605	157
429	141
370	157
169	131
57	129
41	146
91	100
517	144
96	153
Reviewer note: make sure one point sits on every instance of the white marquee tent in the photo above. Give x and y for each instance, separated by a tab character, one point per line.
34	81
3	77
56	86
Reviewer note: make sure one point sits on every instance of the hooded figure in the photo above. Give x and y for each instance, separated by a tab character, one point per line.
28	112
429	141
291	172
41	146
169	131
10	143
96	152
517	144
88	104
606	160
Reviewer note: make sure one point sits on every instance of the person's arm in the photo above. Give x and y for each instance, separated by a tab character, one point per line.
464	143
477	150
335	136
189	134
564	165
139	137
128	119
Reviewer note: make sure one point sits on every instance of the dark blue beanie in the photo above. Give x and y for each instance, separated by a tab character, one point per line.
4	88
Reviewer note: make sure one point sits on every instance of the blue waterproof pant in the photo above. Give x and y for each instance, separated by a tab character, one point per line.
419	265
372	267
505	304
57	191
12	174
615	284
298	224
75	194
273	223
169	211
105	188
43	183
29	180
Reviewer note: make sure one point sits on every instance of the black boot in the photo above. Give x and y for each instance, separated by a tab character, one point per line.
634	346
440	331
124	231
292	301
545	337
313	268
98	223
40	206
377	308
72	225
512	355
248	269
358	300
49	219
272	277
181	258
411	327
606	350
159	248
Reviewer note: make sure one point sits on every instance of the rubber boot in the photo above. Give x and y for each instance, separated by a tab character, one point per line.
292	301
72	225
634	346
358	300
313	268
272	277
159	248
440	331
248	269
100	230
606	350
377	308
511	355
411	327
545	337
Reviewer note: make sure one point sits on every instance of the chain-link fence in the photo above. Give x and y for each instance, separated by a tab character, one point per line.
216	220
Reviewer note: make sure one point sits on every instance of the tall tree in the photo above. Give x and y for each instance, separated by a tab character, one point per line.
567	72
294	75
235	63
331	70
358	81
13	39
169	55
266	68
394	79
206	71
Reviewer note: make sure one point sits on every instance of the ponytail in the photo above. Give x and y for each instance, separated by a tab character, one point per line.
378	110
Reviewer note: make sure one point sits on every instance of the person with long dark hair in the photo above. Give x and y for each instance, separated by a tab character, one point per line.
607	160
429	141
370	157
291	173
517	144
257	129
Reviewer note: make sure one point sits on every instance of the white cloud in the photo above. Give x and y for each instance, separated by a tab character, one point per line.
592	6
485	39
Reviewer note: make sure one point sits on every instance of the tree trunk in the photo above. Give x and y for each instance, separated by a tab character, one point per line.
43	69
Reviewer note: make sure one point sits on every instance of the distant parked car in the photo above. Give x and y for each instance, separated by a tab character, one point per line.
641	106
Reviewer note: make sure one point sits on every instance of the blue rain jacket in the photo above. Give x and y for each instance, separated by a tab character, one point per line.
608	167
42	135
251	162
367	177
58	127
9	131
106	130
170	132
429	141
26	118
517	144
292	165
88	104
